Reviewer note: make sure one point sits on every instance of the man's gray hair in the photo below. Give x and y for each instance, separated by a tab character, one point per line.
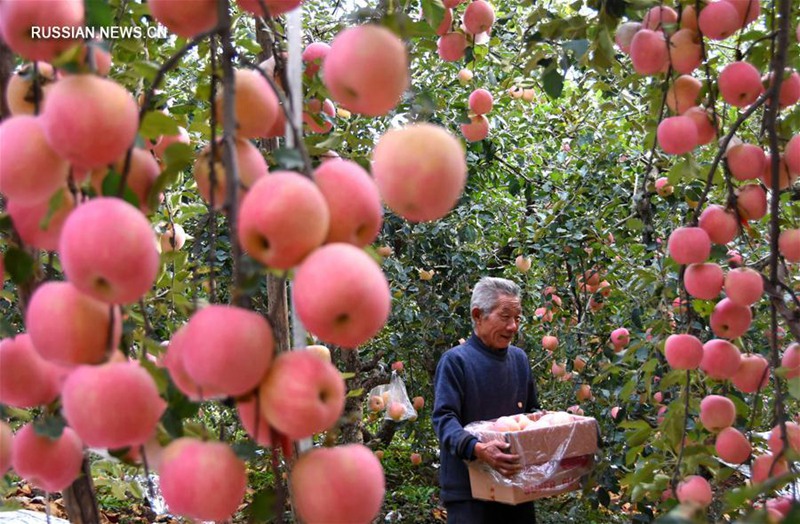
487	292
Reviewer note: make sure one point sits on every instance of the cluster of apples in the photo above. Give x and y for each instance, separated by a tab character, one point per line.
477	21
395	409
593	282
663	40
480	103
316	227
522	422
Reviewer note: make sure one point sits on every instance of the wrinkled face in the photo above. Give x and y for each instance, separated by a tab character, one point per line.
497	328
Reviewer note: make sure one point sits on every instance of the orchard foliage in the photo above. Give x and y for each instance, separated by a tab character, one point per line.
627	163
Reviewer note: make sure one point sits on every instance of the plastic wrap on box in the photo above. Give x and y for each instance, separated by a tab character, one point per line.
556	449
395	393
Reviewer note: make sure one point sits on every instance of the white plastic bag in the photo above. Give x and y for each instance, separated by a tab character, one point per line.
392	399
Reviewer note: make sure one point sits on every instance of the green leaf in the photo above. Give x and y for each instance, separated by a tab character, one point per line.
262	507
553	83
579	47
111	184
289	159
98	13
156	123
355	392
433	11
246	450
50	426
19	265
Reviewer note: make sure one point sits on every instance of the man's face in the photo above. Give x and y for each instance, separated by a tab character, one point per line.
497	329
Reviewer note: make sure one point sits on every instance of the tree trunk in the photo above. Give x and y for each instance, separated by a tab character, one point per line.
353	407
80	502
6	70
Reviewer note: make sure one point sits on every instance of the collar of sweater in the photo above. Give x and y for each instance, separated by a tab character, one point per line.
477	343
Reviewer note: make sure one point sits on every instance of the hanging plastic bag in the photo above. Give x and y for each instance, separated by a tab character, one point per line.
393	399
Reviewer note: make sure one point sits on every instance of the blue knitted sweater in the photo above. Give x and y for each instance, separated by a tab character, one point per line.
473	383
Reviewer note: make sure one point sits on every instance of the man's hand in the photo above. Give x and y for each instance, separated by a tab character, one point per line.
493	453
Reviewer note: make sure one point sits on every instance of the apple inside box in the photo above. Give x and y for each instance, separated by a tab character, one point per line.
556	449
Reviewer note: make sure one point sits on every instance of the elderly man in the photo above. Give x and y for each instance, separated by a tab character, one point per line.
484	378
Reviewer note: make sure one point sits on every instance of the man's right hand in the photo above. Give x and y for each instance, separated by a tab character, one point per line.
494	454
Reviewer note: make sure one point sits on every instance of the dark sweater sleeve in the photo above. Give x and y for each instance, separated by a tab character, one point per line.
447	416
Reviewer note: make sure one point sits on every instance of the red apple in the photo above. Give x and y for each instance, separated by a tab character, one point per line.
202	480
425	185
717	412
112	405
302	394
108	251
324	481
49	464
26	379
283	218
721	359
366	69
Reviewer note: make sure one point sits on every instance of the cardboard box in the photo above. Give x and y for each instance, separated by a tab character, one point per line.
554	459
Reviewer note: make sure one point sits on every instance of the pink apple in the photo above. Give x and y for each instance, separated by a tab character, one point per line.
347	310
425	185
746	161
477	129
283	218
752	375
26	379
748	10
775	441
694	490
173	361
108	251
324	481
721	359
683	93
792	154
49	464
550	343
353	200
70	328
314	56
256	106
302	394
480	101
719	223
30	170
739	82
113	405
649	52
317	115
624	35
719	20
101	132
620	337
183	18
451	46
717	412
29	27
751	201
767	466
249	347
366	69
730	320
731	446
478	17
744	286
251	166
702	118
202	480
791	361
275	8
683	351
688	245
685	51
254	423
36	224
703	280
789	244
677	135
